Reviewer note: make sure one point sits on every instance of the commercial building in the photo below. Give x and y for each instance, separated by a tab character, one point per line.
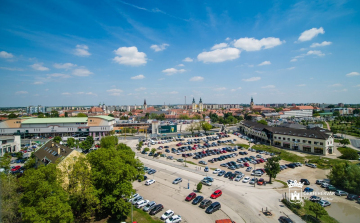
35	109
9	144
298	112
317	141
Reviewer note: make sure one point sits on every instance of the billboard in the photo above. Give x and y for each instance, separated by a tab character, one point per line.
167	128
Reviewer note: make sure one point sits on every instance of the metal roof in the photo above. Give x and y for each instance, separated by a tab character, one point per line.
54	120
108	118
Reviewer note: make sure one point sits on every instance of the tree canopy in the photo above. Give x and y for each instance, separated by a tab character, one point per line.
81	115
57	139
206	126
346	176
88	143
272	167
262	121
71	142
109	142
111	115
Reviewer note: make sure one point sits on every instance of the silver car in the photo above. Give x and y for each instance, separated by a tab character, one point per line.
149	206
177	180
136	199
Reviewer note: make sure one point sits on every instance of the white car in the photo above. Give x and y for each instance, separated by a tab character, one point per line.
139	202
216	171
174	219
238	178
149	182
142	204
206	182
133	197
246	180
167	214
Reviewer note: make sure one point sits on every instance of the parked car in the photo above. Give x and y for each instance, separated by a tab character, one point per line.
216	194
206	182
246	180
149	182
149	206
315	198
133	197
143	204
197	200
216	171
144	178
206	169
341	193
284	219
177	180
173	219
205	203
319	182
261	181
190	197
139	203
308	189
305	181
213	207
324	203
167	214
136	199
352	197
156	209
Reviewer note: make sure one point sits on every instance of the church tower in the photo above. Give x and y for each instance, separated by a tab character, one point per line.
145	105
193	106
201	106
252	102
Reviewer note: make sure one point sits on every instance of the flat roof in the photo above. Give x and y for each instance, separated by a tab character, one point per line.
55	120
109	118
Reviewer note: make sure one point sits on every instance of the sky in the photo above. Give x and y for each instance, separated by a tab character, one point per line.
55	53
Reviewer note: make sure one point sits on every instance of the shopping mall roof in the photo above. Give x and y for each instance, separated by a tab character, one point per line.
54	120
108	118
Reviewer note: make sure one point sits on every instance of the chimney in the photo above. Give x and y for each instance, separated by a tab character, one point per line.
58	150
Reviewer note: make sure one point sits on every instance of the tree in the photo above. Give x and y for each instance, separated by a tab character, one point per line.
66	114
183	117
272	167
153	151
147	115
356	111
81	115
88	143
57	139
336	113
19	155
344	142
199	186
41	115
331	106
196	117
112	172
161	117
206	126
146	149
262	121
43	198
71	142
12	115
197	126
191	128
130	114
10	199
349	154
54	114
111	115
347	176
317	209
109	142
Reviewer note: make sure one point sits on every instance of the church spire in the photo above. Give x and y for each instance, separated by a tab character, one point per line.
144	101
200	101
193	100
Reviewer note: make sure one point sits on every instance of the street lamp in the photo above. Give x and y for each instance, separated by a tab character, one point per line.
254	174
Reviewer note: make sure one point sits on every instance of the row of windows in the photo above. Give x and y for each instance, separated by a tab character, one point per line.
36	130
298	140
70	129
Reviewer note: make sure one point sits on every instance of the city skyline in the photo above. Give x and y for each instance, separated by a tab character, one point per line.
224	52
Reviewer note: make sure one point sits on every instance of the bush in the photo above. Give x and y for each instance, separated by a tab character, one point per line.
348	153
199	186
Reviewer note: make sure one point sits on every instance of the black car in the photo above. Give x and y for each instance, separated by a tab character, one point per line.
205	203
305	181
197	199
227	174
284	219
232	176
352	197
167	150
213	207
315	198
139	179
156	209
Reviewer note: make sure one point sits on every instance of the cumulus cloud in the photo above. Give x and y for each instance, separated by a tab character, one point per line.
66	93
293	60
252	44
171	71
188	59
140	89
301	85
310	34
81	72
268	86
130	56
6	55
252	79
58	75
82	51
219	46
264	63
180	65
290	68
227	39
138	77
315	52
115	92
235	89
351	74
158	48
65	66
91	93
173	92
11	68
325	43
38	82
220	89
197	78
39	66
219	55
335	85
21	92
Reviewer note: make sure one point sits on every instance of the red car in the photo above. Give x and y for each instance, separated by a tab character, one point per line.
179	144
246	164
15	168
261	181
190	197
216	194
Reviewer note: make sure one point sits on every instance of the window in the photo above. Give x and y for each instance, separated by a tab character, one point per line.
274	137
321	144
298	140
283	138
293	140
309	142
288	139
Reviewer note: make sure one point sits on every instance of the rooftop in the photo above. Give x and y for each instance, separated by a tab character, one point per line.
54	120
52	151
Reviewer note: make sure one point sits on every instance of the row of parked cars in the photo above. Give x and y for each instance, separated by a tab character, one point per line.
327	186
210	206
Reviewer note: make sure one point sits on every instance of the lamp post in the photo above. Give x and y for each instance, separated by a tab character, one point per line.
254	174
131	209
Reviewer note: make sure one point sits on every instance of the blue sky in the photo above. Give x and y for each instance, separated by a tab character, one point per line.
120	52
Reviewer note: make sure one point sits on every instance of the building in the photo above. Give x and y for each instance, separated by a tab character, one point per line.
251	103
35	109
316	141
197	107
45	127
9	144
298	112
145	105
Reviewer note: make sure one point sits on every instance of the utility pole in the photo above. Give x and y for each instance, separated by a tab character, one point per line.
131	209
254	174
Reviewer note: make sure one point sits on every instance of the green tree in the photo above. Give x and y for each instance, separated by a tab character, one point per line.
161	117
12	115
331	106
66	114
336	113
130	114
10	199
19	155
31	162
54	114
191	128
199	186
43	199
71	142
41	115
347	176
206	126
153	150
356	111
183	117
262	121
112	172
57	139
196	117
272	167
146	149
317	209
111	115
109	142
147	115
345	142
81	115
349	154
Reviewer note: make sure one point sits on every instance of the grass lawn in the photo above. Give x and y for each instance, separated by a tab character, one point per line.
284	155
323	163
141	216
283	183
190	162
343	149
246	146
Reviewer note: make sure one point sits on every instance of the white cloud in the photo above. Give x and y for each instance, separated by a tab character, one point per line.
6	55
252	79
82	51
58	75
301	85
46	89
252	44
173	92
219	46
343	90
290	68
293	60
180	65
39	66
130	56
227	39
311	33
115	92
38	82
140	89
264	63
66	93
302	49
335	85
188	59
82	72
11	68
161	79
90	93
357	85
353	74
268	86
251	65
315	52
171	71
21	92
197	78
138	77
325	43
219	55
79	93
220	89
233	90
65	66
158	48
